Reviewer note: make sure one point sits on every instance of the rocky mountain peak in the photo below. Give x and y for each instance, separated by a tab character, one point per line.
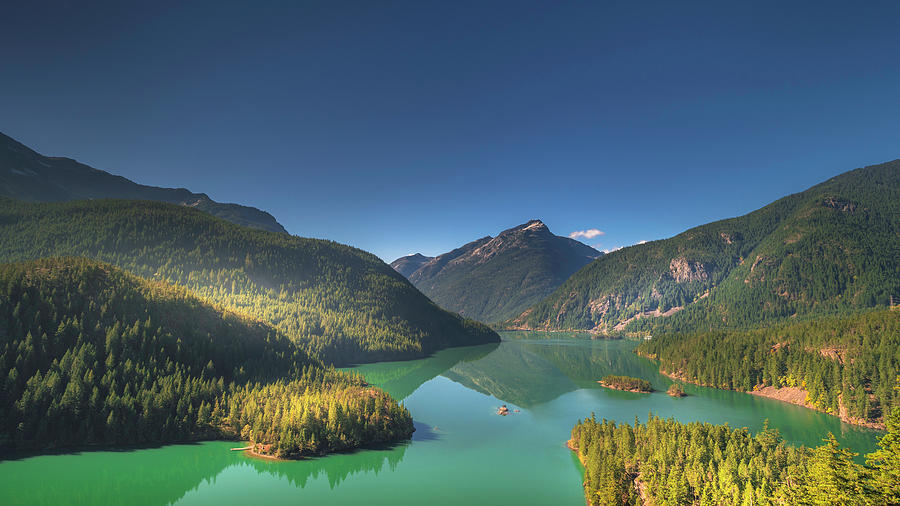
410	263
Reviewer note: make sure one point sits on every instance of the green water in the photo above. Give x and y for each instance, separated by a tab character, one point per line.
462	452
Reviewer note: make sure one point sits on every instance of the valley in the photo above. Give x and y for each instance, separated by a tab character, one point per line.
452	397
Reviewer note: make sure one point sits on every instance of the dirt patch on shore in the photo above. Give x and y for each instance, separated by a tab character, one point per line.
798	396
787	394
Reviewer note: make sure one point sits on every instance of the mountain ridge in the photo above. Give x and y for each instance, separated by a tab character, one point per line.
28	175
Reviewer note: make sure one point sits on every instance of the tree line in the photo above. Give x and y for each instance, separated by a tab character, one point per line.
666	462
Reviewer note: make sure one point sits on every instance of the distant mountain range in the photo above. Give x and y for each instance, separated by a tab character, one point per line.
30	176
830	249
494	278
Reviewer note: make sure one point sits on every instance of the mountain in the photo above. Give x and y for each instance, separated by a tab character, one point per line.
94	355
833	248
339	303
410	263
494	278
27	175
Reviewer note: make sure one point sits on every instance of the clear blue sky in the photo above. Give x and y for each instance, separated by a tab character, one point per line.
417	126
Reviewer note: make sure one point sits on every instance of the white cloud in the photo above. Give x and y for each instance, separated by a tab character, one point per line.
587	234
614	248
643	241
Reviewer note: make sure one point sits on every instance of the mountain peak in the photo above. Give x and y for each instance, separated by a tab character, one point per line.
532	226
410	263
535	225
492	278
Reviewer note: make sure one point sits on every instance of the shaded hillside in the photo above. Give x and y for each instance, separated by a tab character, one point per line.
93	355
494	278
832	248
30	176
338	302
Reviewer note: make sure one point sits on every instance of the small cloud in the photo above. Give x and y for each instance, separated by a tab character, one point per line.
587	234
615	248
643	241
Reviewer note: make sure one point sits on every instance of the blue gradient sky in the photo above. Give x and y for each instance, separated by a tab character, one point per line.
417	126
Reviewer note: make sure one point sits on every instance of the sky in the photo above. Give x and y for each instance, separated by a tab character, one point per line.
402	127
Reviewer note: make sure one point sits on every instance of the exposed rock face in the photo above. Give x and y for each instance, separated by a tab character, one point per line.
494	278
30	176
683	270
410	263
840	204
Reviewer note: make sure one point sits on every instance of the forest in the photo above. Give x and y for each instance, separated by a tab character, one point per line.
848	365
666	462
93	355
339	303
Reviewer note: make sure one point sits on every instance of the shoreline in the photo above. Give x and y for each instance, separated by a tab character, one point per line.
632	390
789	395
570	444
639	485
594	334
792	395
252	453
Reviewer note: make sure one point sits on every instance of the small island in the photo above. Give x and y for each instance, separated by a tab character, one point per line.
675	390
626	383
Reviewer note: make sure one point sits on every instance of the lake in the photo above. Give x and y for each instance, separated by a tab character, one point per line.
462	451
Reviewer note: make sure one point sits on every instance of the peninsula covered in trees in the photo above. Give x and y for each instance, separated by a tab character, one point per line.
94	355
668	462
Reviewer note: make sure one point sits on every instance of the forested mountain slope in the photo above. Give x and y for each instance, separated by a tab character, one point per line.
848	366
27	175
830	249
494	278
337	302
90	354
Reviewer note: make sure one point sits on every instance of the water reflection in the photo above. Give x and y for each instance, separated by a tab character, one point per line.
151	476
529	373
400	379
336	468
